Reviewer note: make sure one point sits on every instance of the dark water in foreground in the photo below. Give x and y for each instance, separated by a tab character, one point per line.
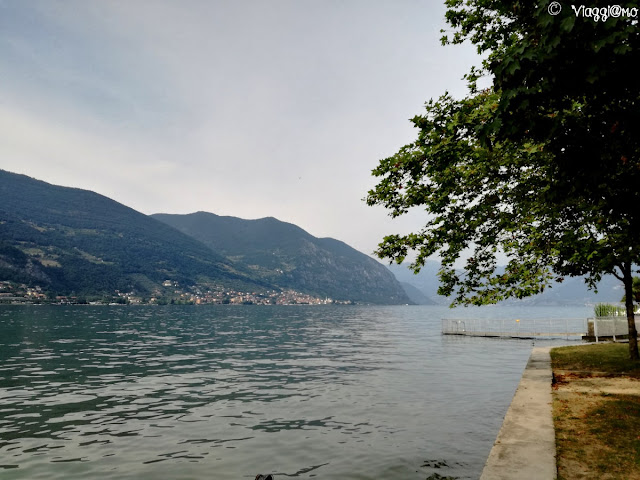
225	392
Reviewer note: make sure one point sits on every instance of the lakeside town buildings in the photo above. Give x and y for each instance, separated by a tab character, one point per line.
169	293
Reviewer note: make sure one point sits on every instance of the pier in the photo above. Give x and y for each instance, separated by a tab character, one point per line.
566	328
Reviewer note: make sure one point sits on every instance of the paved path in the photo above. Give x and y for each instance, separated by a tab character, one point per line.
526	445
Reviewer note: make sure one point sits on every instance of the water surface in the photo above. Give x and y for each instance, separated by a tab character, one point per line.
342	392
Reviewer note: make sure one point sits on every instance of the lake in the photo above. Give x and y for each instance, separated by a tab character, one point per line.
226	392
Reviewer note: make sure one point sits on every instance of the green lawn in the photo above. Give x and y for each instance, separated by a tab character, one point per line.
596	412
603	358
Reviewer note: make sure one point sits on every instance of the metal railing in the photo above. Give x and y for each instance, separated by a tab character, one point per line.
612	327
516	328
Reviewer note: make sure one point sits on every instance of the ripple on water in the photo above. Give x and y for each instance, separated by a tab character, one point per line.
343	392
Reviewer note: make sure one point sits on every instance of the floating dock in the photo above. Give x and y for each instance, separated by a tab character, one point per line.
517	328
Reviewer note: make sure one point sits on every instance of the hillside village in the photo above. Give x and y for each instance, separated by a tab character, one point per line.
169	293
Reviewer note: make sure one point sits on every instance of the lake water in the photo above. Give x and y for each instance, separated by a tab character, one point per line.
226	392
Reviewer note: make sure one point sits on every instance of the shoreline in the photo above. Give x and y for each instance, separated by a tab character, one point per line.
526	446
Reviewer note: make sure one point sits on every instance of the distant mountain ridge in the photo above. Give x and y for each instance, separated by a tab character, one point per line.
285	255
77	242
572	291
416	296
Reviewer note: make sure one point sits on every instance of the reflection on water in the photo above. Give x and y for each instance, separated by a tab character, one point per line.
230	391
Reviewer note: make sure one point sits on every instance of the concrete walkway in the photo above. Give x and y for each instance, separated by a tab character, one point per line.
526	445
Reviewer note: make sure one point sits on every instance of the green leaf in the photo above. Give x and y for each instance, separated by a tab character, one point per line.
568	23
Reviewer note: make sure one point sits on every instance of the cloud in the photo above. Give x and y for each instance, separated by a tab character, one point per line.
257	108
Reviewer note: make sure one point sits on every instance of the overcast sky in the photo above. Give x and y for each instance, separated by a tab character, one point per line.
246	108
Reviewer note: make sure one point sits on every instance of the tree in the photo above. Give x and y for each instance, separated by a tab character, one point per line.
635	291
545	166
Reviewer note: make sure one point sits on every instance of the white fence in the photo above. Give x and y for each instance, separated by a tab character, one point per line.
516	328
609	327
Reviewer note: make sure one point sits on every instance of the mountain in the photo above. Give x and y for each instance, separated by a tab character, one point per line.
415	295
572	291
285	255
426	282
74	241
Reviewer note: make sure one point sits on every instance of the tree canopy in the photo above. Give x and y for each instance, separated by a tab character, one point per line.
543	167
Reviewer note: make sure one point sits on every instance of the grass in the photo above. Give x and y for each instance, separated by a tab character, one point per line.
600	359
596	411
608	310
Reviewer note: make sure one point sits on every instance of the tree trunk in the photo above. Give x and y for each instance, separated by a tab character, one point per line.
628	292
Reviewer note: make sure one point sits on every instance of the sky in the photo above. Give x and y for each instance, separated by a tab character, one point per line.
246	108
